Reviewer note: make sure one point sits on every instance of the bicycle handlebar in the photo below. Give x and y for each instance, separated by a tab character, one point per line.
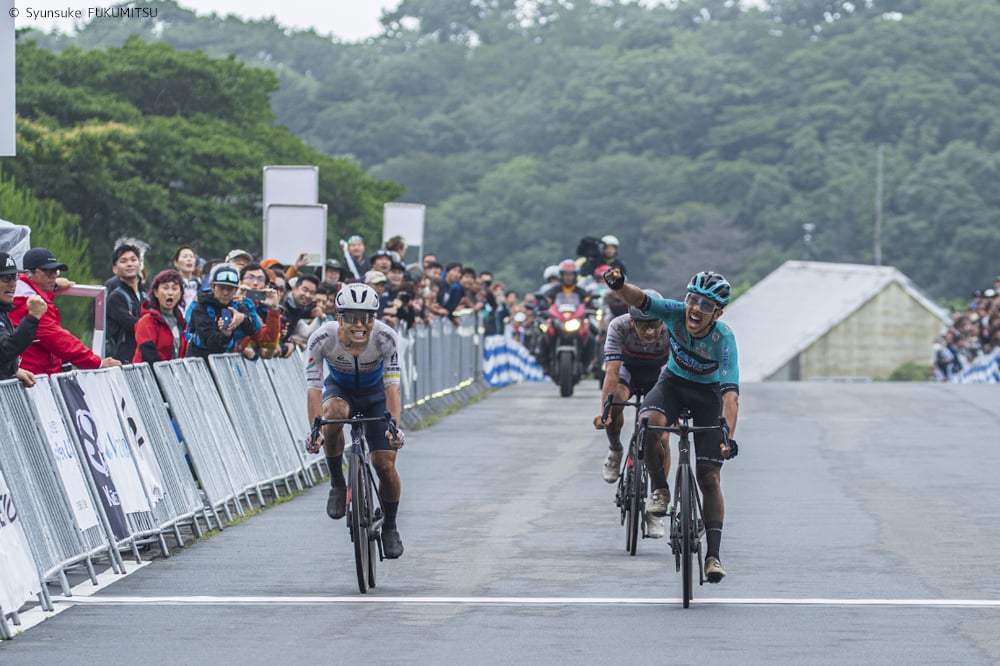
319	422
610	402
683	429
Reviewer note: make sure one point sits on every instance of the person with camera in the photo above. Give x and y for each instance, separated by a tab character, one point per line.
218	321
257	296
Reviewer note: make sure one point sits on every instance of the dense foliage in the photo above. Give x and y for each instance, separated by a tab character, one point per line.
701	133
168	146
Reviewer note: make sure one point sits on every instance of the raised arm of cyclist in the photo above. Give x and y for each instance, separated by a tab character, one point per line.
702	375
361	358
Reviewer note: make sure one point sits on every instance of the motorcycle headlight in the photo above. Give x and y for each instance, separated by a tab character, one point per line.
572	326
544	327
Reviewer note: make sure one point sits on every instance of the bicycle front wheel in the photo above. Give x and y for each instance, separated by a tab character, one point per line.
635	484
688	535
359	521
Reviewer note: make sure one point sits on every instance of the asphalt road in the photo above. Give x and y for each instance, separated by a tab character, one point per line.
861	528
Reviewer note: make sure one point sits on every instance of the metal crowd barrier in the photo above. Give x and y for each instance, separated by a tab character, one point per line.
220	460
250	401
99	461
182	503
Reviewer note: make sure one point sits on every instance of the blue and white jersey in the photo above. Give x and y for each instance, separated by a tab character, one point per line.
704	360
375	367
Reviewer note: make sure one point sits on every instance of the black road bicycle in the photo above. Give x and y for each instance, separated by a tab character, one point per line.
633	482
686	522
364	517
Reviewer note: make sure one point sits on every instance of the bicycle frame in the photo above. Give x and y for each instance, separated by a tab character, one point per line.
365	523
685	537
633	481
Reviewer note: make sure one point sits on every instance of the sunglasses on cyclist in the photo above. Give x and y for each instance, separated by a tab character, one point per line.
707	306
648	325
356	317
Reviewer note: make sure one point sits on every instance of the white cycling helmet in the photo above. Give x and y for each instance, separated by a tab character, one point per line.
551	272
357	296
610	240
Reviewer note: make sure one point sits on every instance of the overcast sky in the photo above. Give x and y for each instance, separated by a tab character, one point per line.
349	20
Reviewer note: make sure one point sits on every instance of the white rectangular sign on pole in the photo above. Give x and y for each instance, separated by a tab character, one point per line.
290	184
290	230
8	128
406	220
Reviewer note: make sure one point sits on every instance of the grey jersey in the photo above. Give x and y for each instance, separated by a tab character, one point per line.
376	366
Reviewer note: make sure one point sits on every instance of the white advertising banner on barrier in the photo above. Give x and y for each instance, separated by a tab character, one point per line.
112	441
19	581
149	468
64	454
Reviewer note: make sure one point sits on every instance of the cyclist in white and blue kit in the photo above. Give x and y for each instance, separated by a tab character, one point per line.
361	355
702	375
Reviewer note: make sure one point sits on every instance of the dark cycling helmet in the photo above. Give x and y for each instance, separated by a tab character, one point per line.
711	285
225	274
639	315
357	296
568	265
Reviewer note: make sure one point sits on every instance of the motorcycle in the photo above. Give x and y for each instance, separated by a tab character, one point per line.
567	330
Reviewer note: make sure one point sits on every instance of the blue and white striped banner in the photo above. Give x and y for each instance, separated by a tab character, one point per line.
506	361
984	370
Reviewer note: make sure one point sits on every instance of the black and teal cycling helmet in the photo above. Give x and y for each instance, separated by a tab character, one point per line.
711	285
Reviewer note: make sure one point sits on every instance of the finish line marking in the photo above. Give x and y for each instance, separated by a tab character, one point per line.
506	601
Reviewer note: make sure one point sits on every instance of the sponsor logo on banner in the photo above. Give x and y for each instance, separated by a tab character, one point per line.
86	429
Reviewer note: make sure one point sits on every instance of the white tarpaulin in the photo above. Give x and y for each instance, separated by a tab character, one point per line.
15	239
19	581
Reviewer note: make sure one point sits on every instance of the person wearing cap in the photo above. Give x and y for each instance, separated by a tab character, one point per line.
377	281
53	345
337	272
239	258
13	341
382	260
218	320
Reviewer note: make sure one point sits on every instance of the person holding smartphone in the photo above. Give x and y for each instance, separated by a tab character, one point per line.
256	295
217	321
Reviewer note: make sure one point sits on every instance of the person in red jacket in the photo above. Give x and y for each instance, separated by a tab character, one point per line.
53	344
159	333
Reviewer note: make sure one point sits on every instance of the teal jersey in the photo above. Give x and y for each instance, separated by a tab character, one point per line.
706	360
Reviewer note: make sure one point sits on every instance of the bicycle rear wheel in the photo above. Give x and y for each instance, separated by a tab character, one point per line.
359	522
688	535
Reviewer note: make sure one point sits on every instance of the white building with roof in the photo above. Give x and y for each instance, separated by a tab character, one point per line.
810	320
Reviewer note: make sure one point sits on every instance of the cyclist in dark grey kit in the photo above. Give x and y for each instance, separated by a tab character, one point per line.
702	375
636	348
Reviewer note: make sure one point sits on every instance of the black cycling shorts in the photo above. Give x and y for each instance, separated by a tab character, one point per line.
366	404
672	393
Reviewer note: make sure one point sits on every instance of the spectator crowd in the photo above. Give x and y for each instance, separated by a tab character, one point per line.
259	308
973	333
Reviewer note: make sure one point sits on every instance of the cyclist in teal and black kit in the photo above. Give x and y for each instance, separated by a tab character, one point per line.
702	375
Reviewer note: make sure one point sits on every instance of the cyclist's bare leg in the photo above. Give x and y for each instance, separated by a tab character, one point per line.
656	450
333	434
390	486
713	505
333	447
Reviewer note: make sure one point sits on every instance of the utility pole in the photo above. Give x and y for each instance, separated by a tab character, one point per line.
878	207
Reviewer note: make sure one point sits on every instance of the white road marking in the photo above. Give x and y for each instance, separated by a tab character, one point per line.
110	600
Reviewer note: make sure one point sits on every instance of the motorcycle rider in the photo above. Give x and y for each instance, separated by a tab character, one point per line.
568	291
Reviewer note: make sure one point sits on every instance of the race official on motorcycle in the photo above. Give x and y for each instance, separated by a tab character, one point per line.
571	292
